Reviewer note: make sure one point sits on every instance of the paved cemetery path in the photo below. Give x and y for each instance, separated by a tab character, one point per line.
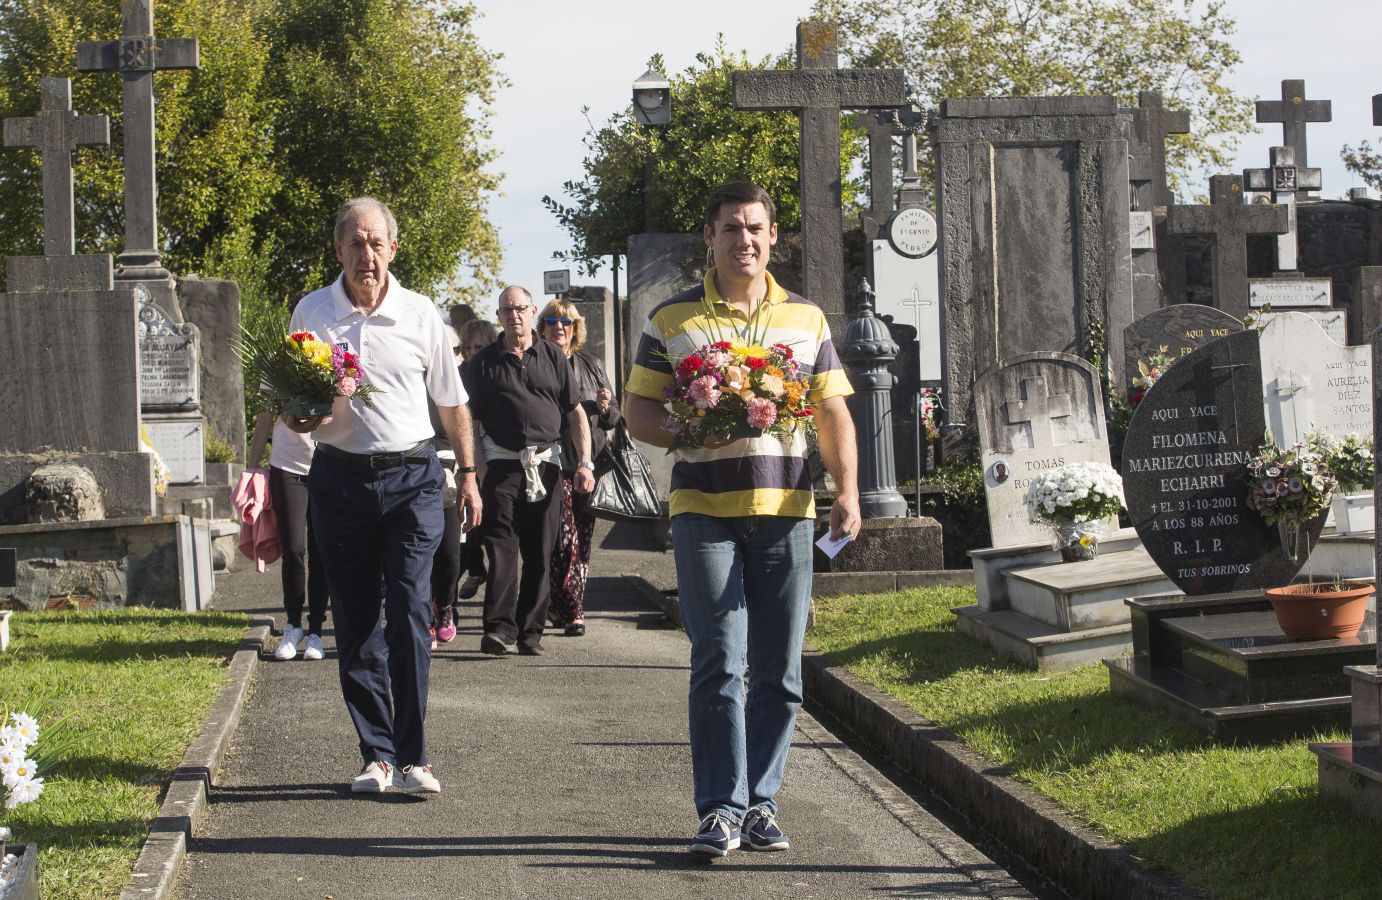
564	776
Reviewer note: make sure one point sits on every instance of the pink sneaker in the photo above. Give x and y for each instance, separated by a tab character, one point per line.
447	633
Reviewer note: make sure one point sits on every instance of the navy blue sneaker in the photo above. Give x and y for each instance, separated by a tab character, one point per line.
761	831
718	836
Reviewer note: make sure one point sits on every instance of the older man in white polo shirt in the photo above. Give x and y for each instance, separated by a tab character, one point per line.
376	492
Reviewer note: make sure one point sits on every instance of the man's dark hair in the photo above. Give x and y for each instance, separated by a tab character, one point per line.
738	192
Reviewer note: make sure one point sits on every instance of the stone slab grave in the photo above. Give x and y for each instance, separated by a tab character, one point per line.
1033	200
1037	412
1351	771
1173	331
1312	382
1216	657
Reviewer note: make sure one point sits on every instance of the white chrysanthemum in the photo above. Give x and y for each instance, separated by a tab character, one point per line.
25	726
20	771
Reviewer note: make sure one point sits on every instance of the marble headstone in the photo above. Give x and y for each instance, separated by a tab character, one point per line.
1036	412
1178	329
1184	465
1312	383
1333	321
169	374
908	289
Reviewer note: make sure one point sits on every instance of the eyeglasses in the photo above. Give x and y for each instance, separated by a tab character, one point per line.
553	320
514	310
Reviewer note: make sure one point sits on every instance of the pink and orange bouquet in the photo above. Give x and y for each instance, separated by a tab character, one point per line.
736	389
302	375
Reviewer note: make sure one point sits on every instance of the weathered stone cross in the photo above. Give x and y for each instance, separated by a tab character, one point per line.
1229	221
819	90
56	132
1037	405
1152	123
880	131
1283	180
1294	112
137	55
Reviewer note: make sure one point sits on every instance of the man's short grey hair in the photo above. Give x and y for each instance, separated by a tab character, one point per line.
515	289
352	208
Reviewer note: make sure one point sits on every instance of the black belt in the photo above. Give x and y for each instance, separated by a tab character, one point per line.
417	454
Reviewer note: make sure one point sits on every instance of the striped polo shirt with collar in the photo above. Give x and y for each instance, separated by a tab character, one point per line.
761	476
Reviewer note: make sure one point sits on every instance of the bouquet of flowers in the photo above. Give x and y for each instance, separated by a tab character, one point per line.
928	403
738	388
1350	460
1078	492
1291	485
301	374
1152	369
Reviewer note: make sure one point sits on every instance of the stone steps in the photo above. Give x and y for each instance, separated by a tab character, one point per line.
1089	594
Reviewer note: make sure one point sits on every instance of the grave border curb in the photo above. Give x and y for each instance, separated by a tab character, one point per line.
186	800
1078	860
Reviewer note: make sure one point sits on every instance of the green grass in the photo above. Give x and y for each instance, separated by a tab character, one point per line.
129	688
1236	822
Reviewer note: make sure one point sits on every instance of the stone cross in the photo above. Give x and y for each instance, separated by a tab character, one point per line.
916	304
908	121
1228	221
1294	112
819	90
880	131
1283	180
1152	123
56	132
137	55
1037	405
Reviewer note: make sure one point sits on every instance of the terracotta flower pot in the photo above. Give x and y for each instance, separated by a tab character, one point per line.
1307	612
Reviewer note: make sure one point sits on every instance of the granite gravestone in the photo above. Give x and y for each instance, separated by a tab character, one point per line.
819	91
1313	383
1158	259
1173	331
1184	466
1228	221
1033	201
1036	412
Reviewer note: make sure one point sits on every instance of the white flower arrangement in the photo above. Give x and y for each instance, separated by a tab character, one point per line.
1078	492
18	770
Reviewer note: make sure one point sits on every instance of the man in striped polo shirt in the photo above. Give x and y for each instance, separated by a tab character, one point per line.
742	521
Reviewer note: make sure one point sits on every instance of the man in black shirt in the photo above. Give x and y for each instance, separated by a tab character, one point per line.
521	391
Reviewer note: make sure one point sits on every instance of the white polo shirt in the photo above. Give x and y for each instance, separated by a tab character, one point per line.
291	451
405	354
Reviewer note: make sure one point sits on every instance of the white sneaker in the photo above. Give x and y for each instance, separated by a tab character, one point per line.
419	780
288	644
374	778
314	649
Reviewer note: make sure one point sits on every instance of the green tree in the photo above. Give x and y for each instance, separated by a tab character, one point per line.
1365	162
395	104
298	105
991	48
708	143
213	128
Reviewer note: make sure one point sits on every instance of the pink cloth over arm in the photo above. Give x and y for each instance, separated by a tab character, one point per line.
258	523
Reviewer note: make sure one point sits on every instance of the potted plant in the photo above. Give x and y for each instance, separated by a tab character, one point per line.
1351	461
1291	487
1076	500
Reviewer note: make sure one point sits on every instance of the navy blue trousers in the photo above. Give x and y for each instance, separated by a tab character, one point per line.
378	531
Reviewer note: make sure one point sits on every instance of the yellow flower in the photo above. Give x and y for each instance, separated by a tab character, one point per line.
1086	540
744	351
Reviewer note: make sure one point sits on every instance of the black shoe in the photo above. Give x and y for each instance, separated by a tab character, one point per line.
470	587
575	629
533	650
494	645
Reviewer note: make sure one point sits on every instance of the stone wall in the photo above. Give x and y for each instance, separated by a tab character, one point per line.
213	305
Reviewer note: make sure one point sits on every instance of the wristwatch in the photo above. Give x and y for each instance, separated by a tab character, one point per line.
466	470
586	464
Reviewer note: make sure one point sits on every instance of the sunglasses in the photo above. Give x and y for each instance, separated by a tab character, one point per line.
553	320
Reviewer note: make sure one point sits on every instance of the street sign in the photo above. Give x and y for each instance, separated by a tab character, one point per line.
556	282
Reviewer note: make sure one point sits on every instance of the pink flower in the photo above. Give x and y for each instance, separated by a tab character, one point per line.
704	392
762	412
717	359
346	387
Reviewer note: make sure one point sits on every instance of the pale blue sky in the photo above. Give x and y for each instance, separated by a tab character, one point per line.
561	56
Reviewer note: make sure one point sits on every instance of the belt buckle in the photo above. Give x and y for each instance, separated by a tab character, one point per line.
379	460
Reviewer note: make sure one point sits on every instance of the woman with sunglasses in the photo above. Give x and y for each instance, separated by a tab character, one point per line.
562	325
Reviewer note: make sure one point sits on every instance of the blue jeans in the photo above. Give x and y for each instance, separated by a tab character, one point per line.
744	585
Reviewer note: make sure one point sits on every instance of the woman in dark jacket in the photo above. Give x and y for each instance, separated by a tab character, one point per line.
561	324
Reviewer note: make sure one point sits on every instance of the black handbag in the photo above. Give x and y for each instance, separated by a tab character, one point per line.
626	492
